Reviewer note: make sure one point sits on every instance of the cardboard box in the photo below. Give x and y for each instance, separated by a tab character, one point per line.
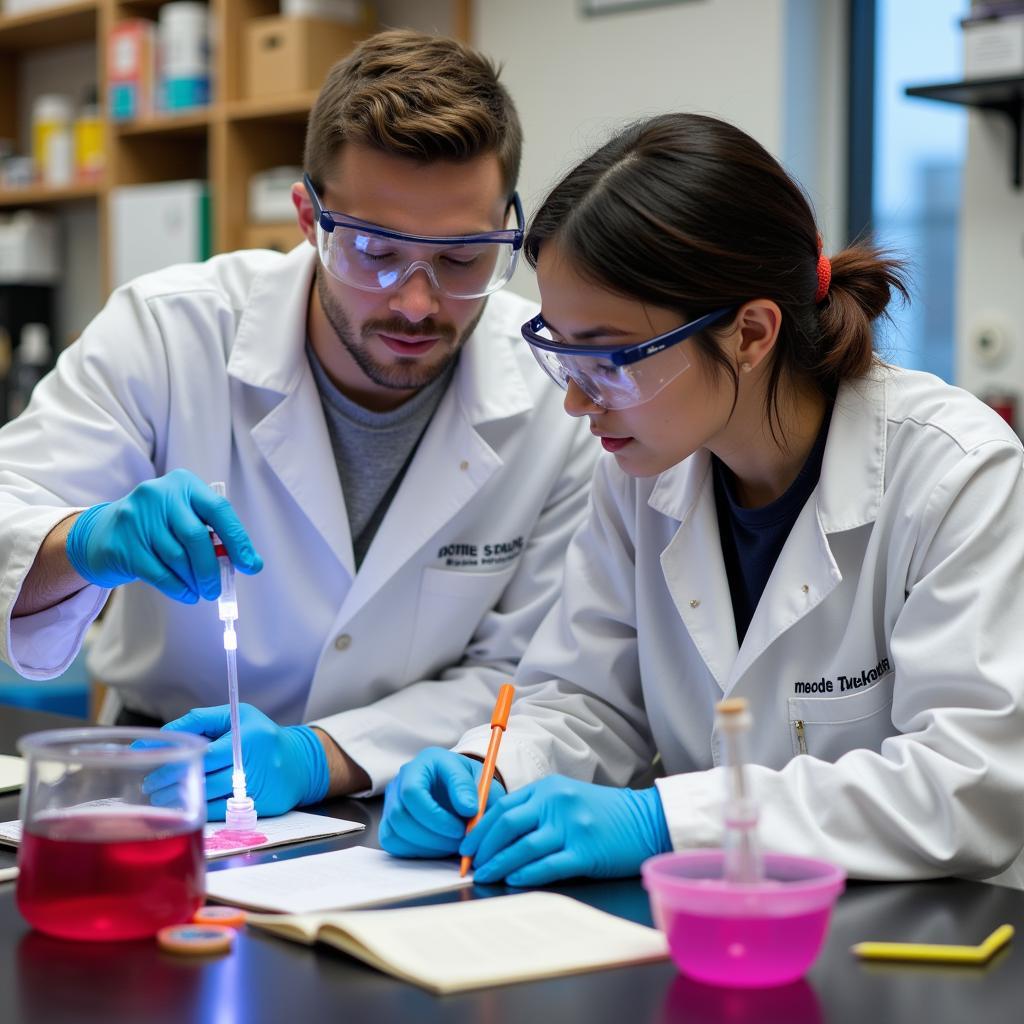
281	237
993	47
290	55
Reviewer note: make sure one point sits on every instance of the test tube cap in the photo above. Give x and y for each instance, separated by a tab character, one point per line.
195	939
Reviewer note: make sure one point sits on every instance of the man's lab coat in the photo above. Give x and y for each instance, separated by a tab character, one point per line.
204	367
884	666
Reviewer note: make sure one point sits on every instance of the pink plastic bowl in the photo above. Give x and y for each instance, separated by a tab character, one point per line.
742	936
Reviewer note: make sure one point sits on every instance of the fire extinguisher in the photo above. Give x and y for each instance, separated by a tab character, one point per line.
1004	403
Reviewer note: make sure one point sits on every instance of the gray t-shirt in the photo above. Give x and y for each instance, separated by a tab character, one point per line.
373	449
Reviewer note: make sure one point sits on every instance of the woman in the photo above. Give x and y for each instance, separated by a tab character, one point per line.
783	518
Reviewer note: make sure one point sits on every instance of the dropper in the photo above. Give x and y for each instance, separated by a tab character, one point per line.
742	855
241	811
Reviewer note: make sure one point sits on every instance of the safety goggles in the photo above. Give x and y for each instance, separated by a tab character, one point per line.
616	378
376	259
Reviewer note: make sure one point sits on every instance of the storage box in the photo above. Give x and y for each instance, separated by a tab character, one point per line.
281	237
994	46
290	55
155	226
270	195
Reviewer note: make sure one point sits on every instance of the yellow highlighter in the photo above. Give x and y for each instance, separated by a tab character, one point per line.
923	952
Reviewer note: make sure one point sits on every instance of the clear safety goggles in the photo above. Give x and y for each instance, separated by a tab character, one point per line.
616	378
376	259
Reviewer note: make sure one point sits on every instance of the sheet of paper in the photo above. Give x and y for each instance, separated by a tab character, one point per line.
528	935
357	877
12	773
219	841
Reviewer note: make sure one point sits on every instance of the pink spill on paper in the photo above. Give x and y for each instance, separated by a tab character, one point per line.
232	838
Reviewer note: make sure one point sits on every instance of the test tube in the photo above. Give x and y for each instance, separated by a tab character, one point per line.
742	855
241	812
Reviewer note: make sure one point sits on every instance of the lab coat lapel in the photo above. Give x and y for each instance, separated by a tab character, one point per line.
452	463
269	353
692	562
848	496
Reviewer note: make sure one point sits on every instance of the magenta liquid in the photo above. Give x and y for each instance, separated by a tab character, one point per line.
745	951
110	875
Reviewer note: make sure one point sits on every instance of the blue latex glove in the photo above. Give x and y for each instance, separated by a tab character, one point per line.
157	533
285	766
429	801
562	828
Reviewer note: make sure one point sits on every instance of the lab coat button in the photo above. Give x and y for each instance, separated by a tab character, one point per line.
342	642
806	589
463	465
695	603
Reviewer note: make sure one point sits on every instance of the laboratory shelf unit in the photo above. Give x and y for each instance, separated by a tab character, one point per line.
224	143
1004	96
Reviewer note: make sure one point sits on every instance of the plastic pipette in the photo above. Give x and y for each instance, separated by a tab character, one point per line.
742	855
241	811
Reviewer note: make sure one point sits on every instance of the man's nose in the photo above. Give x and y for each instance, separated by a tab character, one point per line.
416	297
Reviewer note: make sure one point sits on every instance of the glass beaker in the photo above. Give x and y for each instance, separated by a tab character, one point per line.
103	856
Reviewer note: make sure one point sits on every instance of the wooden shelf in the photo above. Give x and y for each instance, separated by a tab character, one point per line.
192	122
998	95
44	195
295	107
49	26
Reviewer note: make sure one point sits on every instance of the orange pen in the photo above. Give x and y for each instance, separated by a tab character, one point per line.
499	722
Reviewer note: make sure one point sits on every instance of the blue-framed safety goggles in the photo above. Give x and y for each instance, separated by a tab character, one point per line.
377	259
616	377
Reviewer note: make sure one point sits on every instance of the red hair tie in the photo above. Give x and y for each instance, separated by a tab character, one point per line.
824	274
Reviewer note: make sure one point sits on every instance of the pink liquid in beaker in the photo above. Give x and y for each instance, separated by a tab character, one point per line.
109	875
745	951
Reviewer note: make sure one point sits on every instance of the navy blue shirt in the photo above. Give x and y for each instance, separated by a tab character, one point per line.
752	538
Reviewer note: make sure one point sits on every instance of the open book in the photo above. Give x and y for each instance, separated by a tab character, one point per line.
453	947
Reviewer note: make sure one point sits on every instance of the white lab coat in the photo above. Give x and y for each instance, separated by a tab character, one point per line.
884	664
204	367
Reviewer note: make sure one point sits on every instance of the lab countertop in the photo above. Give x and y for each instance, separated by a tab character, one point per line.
265	980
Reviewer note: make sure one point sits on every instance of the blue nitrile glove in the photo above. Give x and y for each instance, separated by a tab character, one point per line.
157	533
562	828
429	801
285	766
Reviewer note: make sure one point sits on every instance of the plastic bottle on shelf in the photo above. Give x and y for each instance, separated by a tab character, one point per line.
184	44
51	137
30	364
89	158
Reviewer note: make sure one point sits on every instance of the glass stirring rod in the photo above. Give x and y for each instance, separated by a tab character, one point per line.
742	854
241	811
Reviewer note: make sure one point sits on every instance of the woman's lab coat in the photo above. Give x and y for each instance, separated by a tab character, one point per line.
204	367
884	665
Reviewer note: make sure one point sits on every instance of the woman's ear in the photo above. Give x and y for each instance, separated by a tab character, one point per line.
755	333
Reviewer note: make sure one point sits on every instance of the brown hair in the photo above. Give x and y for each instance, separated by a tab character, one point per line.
688	213
414	95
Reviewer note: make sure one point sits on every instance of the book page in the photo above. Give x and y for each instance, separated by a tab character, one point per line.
528	935
220	841
12	773
356	877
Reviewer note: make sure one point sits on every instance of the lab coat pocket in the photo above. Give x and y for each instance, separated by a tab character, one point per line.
451	605
828	727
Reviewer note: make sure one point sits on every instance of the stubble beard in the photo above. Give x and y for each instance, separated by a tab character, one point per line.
405	374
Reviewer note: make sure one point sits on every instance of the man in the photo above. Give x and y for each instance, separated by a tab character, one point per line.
404	473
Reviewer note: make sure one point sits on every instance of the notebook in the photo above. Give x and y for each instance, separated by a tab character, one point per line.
455	947
356	877
12	773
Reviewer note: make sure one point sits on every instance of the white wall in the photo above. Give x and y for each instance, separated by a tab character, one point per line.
772	67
